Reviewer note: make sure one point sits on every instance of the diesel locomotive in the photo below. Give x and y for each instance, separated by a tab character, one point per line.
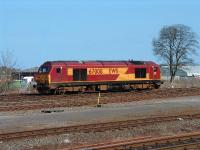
68	76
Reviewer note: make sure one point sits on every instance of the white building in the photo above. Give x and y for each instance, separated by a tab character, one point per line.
183	72
28	79
192	71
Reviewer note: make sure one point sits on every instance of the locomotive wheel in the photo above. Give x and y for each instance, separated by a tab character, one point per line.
43	92
52	91
156	86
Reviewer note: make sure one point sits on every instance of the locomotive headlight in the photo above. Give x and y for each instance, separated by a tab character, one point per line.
49	79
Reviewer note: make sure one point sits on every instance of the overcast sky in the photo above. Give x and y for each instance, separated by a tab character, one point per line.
40	30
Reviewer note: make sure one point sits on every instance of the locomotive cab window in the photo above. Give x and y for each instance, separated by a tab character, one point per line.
44	69
155	69
58	70
140	72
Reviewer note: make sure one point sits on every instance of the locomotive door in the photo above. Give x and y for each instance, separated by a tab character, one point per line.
60	74
154	72
79	74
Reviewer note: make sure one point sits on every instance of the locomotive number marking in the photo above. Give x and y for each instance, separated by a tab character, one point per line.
95	71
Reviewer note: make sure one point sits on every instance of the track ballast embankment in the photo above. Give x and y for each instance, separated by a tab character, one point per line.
95	127
15	102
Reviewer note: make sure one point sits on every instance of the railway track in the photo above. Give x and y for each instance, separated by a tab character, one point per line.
95	127
16	102
186	141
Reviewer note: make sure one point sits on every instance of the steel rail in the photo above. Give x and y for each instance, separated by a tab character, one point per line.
94	127
181	141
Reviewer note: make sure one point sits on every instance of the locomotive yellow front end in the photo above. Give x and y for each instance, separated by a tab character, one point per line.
42	79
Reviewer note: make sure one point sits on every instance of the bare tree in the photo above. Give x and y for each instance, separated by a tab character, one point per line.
7	64
175	45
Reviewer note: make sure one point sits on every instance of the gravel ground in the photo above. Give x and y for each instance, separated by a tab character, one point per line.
141	109
110	112
16	102
74	139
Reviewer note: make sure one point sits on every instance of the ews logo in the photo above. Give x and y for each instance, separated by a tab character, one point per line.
113	71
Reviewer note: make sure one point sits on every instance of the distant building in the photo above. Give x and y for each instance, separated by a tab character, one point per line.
183	72
28	79
192	71
20	74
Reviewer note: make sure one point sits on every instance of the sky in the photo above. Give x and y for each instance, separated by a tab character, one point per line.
42	30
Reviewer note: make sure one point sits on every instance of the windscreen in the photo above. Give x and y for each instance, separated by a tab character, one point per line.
44	69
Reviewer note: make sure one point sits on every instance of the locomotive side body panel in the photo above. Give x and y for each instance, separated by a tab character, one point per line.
58	73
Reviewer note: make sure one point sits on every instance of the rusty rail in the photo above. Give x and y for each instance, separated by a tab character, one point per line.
181	141
95	127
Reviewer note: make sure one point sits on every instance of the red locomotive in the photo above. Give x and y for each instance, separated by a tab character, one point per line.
63	76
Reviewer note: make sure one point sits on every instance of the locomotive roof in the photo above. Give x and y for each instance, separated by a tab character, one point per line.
100	62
